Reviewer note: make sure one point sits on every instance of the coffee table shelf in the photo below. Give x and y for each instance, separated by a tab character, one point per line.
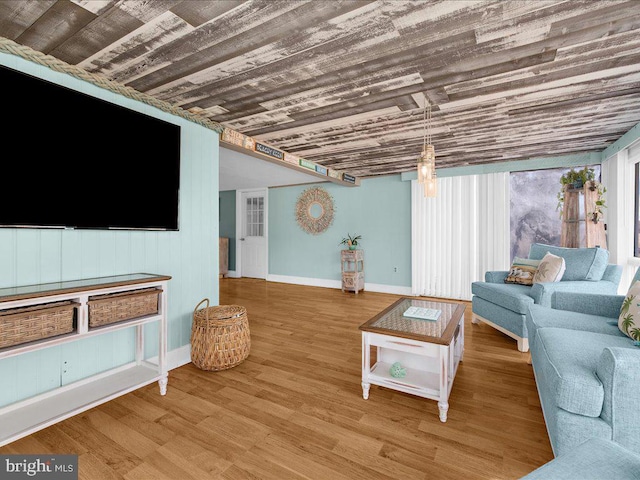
429	351
416	380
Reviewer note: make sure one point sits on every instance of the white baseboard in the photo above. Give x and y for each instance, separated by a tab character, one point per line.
311	282
232	274
394	289
321	282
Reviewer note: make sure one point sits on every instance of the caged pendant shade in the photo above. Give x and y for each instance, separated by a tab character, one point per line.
427	160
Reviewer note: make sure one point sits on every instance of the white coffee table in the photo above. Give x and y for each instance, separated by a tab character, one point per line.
429	351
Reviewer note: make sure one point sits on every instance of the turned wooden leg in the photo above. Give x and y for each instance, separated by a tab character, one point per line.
443	408
365	390
163	384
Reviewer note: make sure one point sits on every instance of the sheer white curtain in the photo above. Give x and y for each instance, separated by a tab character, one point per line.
618	175
460	234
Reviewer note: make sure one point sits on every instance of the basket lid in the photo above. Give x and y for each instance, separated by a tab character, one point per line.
220	312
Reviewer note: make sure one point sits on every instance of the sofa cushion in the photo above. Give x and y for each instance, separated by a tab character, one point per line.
629	319
597	458
550	269
581	263
522	271
513	297
568	360
543	317
499	316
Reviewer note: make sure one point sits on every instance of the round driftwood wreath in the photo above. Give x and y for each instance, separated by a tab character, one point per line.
314	210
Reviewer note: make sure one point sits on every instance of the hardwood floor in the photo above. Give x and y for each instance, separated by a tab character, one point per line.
294	408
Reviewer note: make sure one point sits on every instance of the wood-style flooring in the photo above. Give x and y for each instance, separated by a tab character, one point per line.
294	408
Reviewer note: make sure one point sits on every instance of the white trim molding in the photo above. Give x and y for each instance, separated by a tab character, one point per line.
232	274
325	283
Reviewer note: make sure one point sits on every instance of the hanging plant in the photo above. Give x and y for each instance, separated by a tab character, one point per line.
597	213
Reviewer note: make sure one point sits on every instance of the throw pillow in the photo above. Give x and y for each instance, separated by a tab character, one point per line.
522	271
629	319
551	269
582	263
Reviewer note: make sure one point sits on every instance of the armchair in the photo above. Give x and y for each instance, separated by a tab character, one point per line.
504	306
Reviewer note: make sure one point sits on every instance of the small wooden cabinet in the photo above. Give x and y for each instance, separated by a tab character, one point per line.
352	270
224	256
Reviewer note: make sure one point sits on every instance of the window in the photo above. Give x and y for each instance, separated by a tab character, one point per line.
534	214
255	217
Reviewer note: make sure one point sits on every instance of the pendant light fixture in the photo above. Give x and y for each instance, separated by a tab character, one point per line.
427	159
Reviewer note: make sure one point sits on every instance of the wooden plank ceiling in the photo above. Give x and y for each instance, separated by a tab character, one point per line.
342	82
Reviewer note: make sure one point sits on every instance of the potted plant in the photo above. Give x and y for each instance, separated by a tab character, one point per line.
350	241
597	213
578	179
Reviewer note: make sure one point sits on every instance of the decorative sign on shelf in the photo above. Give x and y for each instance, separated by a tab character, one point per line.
233	137
291	158
237	138
307	164
321	169
314	210
348	178
334	174
269	151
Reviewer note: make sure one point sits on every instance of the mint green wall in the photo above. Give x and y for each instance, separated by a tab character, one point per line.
31	256
228	223
379	210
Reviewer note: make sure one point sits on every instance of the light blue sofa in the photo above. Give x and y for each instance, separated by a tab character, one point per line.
595	459
504	306
587	371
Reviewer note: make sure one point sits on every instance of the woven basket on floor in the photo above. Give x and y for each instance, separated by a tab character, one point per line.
220	337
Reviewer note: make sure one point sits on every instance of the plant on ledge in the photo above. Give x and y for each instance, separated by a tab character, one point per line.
578	179
350	241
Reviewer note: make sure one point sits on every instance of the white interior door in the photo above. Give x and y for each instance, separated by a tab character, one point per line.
253	233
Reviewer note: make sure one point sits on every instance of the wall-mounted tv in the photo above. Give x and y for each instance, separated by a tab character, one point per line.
70	160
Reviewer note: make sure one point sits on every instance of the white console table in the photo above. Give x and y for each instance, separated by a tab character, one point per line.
22	418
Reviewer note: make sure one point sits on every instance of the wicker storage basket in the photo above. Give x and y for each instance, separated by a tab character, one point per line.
220	337
27	324
117	307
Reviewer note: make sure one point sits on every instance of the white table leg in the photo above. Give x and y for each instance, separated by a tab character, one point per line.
366	365
365	390
461	338
443	407
163	384
443	404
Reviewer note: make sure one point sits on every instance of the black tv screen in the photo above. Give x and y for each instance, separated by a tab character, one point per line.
71	160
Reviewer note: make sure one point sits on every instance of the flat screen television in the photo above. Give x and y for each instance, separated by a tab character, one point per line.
70	160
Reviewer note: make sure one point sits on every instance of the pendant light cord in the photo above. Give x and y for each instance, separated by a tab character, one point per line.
424	126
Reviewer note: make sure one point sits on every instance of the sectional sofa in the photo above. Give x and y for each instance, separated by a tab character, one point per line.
587	371
504	305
